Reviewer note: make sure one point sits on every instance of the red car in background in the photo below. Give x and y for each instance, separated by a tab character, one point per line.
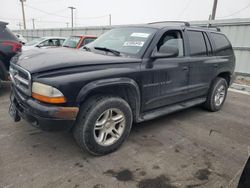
78	41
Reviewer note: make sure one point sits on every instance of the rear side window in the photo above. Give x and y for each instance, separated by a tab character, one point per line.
197	43
222	45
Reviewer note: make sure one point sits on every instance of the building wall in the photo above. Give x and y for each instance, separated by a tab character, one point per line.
237	30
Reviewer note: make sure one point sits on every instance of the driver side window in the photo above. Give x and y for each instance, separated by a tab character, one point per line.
171	39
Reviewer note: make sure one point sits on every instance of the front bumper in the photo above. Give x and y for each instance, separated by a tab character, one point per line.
44	116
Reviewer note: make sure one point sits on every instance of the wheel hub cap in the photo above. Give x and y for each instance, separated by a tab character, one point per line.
109	127
220	95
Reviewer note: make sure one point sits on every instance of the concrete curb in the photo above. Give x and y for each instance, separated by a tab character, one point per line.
240	87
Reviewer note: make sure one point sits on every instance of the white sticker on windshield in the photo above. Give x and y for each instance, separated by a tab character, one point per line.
134	43
143	35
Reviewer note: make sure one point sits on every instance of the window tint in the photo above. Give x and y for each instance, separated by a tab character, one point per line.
171	39
222	45
197	43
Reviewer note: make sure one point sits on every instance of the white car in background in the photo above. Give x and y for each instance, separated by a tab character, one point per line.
21	38
44	42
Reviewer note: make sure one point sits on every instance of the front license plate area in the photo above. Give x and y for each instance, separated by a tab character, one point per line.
13	110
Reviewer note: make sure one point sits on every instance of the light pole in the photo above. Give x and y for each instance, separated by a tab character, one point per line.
24	22
33	23
72	16
109	19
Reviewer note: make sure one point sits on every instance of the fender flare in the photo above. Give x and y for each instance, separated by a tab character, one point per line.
85	90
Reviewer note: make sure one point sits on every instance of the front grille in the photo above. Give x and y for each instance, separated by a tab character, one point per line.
21	78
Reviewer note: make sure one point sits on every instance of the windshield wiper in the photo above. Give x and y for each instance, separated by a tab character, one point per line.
117	53
86	48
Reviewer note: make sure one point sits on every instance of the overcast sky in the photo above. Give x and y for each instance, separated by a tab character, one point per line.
54	13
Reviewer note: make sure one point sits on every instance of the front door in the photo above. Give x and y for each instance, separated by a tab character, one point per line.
165	79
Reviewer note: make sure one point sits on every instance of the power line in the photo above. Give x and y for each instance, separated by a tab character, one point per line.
184	9
45	12
238	11
52	14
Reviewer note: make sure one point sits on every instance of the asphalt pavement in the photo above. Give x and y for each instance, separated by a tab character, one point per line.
191	148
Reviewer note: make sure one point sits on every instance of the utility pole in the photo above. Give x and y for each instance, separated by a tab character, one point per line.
72	16
24	22
214	9
33	23
109	19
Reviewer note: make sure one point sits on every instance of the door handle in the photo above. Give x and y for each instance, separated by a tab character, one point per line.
185	68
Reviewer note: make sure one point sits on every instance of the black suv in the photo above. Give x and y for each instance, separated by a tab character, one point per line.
9	46
129	74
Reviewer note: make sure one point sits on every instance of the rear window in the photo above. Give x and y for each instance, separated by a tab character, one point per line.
222	45
87	41
197	43
6	34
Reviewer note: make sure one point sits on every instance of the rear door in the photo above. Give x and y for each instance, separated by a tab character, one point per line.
203	64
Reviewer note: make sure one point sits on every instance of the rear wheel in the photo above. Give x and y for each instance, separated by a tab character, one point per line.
103	123
216	95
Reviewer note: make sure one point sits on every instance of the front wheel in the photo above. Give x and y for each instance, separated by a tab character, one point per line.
216	94
103	123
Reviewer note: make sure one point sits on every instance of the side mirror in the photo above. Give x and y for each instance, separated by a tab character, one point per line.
39	45
165	51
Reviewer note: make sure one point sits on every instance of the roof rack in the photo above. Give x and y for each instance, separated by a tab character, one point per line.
209	26
185	23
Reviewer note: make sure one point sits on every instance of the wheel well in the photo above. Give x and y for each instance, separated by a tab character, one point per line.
3	72
128	93
226	76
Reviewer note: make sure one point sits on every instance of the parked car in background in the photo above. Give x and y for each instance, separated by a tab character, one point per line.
44	42
78	41
9	46
21	38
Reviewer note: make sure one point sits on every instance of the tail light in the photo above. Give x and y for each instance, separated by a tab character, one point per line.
16	46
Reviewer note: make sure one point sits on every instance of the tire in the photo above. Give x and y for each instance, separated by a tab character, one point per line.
89	130
215	97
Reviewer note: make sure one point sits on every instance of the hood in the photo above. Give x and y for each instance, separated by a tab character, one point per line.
39	60
25	48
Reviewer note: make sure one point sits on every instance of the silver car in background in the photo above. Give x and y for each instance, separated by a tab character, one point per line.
44	42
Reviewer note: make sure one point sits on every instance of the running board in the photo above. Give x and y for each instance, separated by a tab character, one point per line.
170	109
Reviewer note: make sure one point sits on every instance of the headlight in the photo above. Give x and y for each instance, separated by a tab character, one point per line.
46	93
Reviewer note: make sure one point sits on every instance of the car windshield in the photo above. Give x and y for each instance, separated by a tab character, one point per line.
128	40
35	41
71	42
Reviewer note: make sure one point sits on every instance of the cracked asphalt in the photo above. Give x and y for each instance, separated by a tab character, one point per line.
191	148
